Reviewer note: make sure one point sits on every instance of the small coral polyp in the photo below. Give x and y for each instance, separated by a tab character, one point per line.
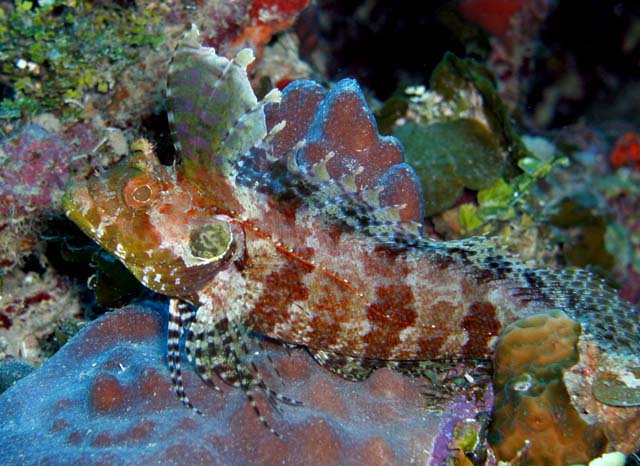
291	217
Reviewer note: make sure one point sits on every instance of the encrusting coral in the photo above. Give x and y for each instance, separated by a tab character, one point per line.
533	411
106	398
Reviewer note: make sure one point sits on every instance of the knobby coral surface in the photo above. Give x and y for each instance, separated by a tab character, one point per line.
547	410
106	398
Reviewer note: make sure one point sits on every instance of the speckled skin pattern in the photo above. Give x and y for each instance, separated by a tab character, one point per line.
291	217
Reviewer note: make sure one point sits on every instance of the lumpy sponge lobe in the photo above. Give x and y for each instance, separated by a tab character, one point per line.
532	402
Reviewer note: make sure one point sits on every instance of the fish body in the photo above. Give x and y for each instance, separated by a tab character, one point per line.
272	221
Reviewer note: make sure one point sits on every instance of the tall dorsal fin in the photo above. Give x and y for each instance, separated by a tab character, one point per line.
214	114
339	162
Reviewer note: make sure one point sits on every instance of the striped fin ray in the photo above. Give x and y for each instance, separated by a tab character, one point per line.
180	318
222	348
213	111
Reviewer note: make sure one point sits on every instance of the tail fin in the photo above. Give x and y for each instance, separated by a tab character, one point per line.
611	321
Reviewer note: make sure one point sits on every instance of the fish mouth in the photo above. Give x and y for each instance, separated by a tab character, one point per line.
77	202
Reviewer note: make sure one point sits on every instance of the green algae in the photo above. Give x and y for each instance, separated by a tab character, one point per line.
609	389
450	156
460	136
54	52
455	79
468	442
579	211
389	112
507	199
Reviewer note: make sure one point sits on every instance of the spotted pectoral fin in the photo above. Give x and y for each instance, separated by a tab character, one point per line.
213	112
221	347
348	367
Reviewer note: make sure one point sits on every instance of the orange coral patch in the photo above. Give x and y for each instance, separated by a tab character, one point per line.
626	152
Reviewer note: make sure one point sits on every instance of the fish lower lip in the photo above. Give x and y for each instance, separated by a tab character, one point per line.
74	200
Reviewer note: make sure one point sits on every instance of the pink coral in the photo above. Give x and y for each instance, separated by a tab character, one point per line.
36	165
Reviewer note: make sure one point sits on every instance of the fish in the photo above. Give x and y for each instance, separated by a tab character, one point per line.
291	218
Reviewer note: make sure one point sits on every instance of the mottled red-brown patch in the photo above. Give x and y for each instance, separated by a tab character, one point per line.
443	262
432	339
330	302
287	207
385	262
387	252
281	288
278	221
483	276
392	312
305	254
481	324
335	234
165	208
37	298
325	330
5	322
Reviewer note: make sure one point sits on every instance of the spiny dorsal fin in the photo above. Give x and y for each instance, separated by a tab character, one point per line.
214	114
330	155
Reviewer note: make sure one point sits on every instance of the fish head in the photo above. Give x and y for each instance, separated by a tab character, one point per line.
158	225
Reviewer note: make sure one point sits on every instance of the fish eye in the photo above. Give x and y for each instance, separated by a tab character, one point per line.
212	241
139	191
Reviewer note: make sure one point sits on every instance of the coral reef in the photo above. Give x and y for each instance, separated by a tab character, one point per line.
36	165
268	17
113	403
605	387
54	52
533	416
593	207
255	252
31	306
95	101
34	173
96	68
230	26
459	135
